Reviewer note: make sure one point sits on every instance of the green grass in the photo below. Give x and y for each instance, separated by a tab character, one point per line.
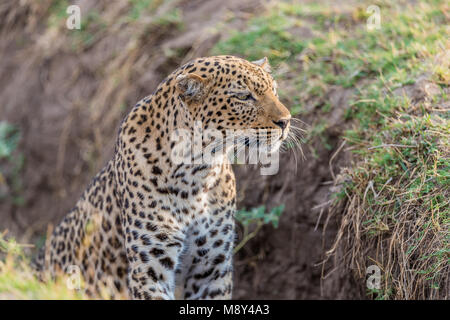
94	26
18	281
400	144
266	36
57	13
338	56
139	7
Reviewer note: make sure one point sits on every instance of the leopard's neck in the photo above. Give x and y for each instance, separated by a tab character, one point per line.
155	127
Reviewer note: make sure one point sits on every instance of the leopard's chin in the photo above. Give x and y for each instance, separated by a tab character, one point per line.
284	135
276	146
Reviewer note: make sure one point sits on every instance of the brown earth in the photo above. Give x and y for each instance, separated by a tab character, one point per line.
286	263
68	104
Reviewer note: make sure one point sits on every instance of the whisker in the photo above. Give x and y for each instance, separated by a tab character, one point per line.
300	121
294	128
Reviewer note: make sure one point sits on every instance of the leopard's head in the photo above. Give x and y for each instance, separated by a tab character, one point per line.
229	93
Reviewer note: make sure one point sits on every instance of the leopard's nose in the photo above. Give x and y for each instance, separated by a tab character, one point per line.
282	123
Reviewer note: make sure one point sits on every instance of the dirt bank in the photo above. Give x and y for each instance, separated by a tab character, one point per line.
66	93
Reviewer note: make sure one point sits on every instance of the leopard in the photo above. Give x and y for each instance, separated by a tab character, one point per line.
149	227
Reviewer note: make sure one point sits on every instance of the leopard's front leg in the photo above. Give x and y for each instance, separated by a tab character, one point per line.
211	265
153	252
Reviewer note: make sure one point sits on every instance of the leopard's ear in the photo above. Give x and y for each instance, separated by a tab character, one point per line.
263	63
192	87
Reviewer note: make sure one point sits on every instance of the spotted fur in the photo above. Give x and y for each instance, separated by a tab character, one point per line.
151	229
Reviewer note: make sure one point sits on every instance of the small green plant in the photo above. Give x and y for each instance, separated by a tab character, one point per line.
11	163
140	8
256	217
9	139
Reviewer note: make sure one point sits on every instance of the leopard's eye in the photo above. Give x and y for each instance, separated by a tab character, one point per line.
244	96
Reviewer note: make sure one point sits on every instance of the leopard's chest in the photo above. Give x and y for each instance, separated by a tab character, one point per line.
203	234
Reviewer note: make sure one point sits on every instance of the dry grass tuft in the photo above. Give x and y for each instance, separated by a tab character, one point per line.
396	207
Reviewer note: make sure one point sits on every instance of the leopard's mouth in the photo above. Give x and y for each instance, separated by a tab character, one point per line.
252	141
271	141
